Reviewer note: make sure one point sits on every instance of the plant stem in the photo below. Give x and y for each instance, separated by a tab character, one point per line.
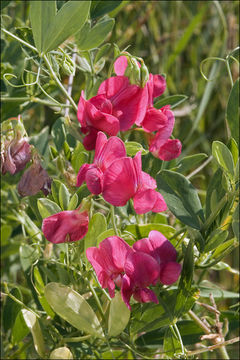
217	346
75	339
97	301
32	99
199	168
214	214
113	220
179	338
20	40
59	84
199	322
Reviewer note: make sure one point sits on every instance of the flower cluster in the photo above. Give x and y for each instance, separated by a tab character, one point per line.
150	261
120	178
120	103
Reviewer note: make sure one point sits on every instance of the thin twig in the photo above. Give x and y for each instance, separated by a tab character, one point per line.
199	168
213	347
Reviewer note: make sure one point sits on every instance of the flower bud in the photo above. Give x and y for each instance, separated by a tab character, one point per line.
34	179
144	74
135	76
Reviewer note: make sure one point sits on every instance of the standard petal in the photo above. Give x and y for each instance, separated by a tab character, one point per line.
170	150
94	257
145	295
82	111
82	174
147	182
112	86
102	103
114	250
65	226
100	144
120	65
105	122
170	273
113	150
148	200
154	120
159	85
141	268
162	249
119	182
94	180
89	141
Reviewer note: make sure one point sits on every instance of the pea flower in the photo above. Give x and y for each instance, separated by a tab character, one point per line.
108	261
124	179
107	150
161	249
117	106
16	154
141	271
65	226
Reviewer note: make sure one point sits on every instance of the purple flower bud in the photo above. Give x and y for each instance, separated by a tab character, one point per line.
34	179
16	155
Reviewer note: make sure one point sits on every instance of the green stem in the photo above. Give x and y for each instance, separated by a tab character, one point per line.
32	99
20	40
213	347
75	339
95	203
214	214
179	338
113	220
229	72
59	84
97	301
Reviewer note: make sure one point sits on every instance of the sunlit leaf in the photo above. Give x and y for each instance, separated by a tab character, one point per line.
119	316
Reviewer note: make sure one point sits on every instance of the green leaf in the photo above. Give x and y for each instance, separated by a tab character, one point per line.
6	231
173	100
97	225
143	230
232	112
42	15
79	157
236	222
58	133
104	235
181	198
90	38
20	329
224	157
102	52
189	162
68	20
73	202
223	249
233	147
73	308
28	255
61	353
47	207
33	325
41	141
55	186
133	147
206	288
64	197
99	7
215	192
216	238
11	309
171	345
119	316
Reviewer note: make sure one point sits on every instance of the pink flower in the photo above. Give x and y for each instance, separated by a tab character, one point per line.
65	226
17	154
141	271
108	261
157	246
106	152
124	179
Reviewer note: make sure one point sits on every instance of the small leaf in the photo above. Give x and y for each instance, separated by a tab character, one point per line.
28	255
206	288
171	345
97	225
173	100
64	197
133	147
181	198
20	329
6	231
189	162
233	147
58	133
33	325
73	308
119	316
142	230
47	207
224	157
102	52
11	309
104	235
232	112
216	238
79	157
61	353
100	8
90	38
68	20
73	202
236	222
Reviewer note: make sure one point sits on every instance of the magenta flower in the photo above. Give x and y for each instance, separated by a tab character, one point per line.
141	271
157	246
108	261
107	150
66	226
17	154
124	179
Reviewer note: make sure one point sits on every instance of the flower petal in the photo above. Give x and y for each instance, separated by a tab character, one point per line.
162	249
159	85
119	182
114	250
82	174
113	86
126	290
94	180
120	65
171	149
170	273
112	150
148	200
89	140
142	268
101	103
154	120
145	295
65	226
